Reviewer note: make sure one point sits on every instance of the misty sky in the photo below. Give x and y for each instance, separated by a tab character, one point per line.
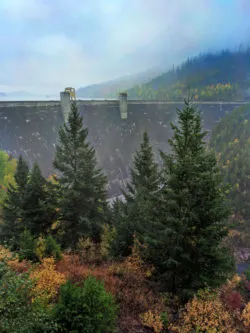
49	44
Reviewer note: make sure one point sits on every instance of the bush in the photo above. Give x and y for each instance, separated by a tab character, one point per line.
27	246
88	310
205	313
47	281
18	314
52	248
37	249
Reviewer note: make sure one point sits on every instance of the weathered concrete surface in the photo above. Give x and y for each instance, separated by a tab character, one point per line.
31	128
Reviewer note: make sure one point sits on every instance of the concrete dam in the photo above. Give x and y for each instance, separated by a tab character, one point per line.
115	129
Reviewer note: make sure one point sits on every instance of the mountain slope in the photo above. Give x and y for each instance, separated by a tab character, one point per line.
224	75
230	139
111	88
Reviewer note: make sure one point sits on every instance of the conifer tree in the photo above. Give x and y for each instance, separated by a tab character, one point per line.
186	247
83	202
139	211
14	204
39	206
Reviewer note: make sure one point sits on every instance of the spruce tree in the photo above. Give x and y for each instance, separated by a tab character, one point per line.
13	206
186	247
39	209
140	210
83	185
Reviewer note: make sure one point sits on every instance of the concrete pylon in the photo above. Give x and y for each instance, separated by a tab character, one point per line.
65	104
123	100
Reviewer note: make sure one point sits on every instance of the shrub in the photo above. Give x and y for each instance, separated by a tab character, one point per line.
88	310
17	312
205	314
246	316
47	281
27	246
233	301
107	238
88	251
40	248
52	248
152	320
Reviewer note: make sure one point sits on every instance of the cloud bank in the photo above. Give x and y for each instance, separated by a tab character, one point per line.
47	45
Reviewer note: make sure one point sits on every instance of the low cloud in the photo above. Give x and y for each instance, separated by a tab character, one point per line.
49	44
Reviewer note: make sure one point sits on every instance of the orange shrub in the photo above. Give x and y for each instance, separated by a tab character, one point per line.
47	280
5	254
205	315
246	316
19	266
72	268
153	320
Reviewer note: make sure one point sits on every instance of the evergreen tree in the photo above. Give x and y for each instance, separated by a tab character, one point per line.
83	202
13	206
39	206
139	211
186	247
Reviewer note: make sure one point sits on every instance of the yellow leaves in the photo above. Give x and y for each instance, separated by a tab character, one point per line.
47	280
40	248
246	316
233	233
152	320
53	178
5	254
205	316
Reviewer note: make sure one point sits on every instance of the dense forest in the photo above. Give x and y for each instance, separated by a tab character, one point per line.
159	261
211	76
230	139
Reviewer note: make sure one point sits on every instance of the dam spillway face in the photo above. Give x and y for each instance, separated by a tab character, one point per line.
31	129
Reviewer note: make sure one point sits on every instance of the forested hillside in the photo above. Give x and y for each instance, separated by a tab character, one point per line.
218	76
110	89
231	140
156	262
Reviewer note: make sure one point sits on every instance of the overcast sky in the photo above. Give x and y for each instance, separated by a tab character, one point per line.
49	44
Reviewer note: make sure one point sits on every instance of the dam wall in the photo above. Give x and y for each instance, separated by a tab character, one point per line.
31	129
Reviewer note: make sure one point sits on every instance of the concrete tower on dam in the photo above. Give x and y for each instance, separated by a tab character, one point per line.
115	129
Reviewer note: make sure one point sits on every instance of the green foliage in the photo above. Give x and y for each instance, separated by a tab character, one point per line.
165	319
247	273
47	248
83	185
29	204
207	77
39	212
27	246
13	206
52	248
88	310
108	236
186	244
17	312
7	171
230	139
139	211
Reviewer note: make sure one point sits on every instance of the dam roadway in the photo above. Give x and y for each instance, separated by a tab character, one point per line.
30	128
80	102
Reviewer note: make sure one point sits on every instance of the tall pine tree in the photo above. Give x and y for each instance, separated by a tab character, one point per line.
13	207
186	247
138	213
39	204
83	202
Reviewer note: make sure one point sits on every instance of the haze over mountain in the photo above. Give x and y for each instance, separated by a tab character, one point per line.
223	75
110	89
48	45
